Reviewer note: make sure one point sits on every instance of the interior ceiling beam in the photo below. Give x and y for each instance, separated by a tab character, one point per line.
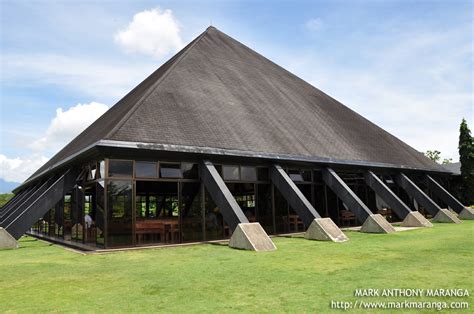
293	195
346	195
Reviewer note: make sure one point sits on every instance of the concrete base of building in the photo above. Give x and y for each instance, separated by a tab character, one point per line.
251	236
416	219
324	229
376	223
467	213
444	215
6	240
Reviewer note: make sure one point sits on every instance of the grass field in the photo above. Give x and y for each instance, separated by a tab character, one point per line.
4	198
301	276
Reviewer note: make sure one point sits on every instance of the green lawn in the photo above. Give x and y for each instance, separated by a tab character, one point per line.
4	198
301	276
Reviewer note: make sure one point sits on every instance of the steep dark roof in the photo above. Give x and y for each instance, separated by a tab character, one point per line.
454	168
217	93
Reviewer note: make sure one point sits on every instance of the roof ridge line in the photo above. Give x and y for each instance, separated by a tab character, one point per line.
134	108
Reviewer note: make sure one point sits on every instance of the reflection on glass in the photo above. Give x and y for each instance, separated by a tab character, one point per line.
190	171
171	171
295	175
120	168
230	173
191	213
100	213
214	222
146	169
244	194
119	213
248	173
77	214
281	213
264	207
67	212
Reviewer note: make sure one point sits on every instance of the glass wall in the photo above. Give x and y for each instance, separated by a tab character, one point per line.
265	208
124	203
119	213
192	215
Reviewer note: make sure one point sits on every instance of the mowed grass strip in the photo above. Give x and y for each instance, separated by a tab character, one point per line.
301	276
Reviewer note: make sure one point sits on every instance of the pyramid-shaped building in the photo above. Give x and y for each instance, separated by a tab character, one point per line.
217	137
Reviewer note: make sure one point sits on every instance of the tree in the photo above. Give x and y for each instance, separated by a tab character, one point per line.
447	161
466	157
434	155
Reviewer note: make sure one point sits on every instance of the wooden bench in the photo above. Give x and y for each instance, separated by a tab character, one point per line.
150	228
347	218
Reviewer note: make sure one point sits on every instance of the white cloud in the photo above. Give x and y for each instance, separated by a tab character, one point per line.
152	32
19	169
67	124
417	85
314	24
93	77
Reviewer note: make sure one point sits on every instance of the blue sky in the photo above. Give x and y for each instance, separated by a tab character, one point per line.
405	65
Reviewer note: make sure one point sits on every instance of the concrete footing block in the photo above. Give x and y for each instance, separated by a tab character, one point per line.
444	215
324	229
251	236
467	213
416	219
376	223
6	240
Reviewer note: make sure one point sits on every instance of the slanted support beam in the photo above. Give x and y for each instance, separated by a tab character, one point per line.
347	196
409	217
372	223
245	235
323	229
231	211
293	195
385	193
444	195
440	215
414	191
28	214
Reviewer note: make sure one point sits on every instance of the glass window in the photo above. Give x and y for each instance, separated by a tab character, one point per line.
295	175
190	171
120	168
170	171
146	169
248	173
230	172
